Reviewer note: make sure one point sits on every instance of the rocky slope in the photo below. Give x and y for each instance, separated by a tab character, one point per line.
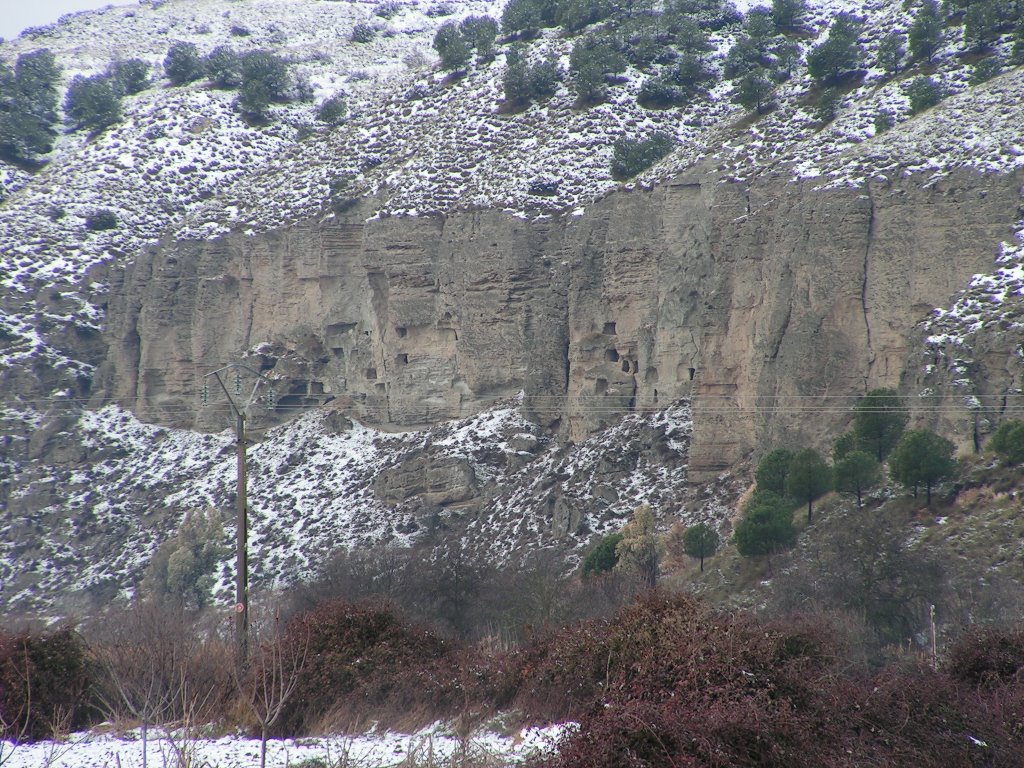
739	294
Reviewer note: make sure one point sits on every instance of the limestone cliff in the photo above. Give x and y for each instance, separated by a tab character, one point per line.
766	302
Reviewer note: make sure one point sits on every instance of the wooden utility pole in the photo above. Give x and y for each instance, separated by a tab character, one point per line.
239	411
241	548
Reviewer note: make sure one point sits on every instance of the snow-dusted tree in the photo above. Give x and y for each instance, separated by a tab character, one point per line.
839	53
787	14
129	76
92	103
182	63
754	91
925	36
28	106
639	552
890	53
182	568
451	46
924	93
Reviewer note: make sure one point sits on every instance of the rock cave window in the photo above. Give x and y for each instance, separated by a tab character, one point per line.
609	329
611	355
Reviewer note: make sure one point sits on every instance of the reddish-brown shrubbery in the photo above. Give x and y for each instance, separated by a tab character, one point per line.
44	683
364	662
989	656
686	685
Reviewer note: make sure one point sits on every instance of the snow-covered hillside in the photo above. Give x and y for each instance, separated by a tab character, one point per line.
184	164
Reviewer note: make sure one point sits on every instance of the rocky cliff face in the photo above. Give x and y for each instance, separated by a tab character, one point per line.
764	301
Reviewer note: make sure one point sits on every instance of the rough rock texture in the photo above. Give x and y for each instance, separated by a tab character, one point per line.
766	302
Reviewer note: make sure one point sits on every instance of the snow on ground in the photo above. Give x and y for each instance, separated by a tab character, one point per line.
430	747
312	492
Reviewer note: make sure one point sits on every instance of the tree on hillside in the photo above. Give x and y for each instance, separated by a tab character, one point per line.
129	76
924	93
92	103
182	63
982	21
480	32
765	527
639	551
182	568
839	53
879	421
1008	441
700	541
264	80
890	53
754	91
787	14
223	67
844	444
922	457
452	47
28	106
925	36
591	61
808	478
601	558
855	472
771	471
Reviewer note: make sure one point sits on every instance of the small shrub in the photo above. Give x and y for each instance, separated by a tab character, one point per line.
239	31
631	156
363	33
333	111
827	106
44	683
438	10
988	656
986	69
884	120
101	220
660	93
388	9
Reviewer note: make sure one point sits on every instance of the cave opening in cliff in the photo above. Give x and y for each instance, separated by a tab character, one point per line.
611	355
609	328
601	386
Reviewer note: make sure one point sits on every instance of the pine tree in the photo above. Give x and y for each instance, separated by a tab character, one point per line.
879	421
855	472
765	526
182	63
890	53
451	46
92	103
771	471
808	478
925	36
922	457
754	91
700	541
839	53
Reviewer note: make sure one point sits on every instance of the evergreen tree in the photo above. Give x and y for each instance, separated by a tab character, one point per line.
855	472
601	558
516	81
765	526
839	53
129	76
879	421
451	46
521	16
632	156
591	61
92	103
480	32
264	80
28	106
1008	441
744	56
982	21
808	478
182	63
333	110
843	445
787	14
1017	52
771	471
890	53
827	106
754	91
924	93
925	36
922	457
223	67
700	541
986	69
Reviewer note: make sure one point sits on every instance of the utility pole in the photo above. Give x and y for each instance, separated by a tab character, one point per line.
240	410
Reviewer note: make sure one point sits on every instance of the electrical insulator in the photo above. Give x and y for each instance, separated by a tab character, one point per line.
205	396
271	399
238	382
